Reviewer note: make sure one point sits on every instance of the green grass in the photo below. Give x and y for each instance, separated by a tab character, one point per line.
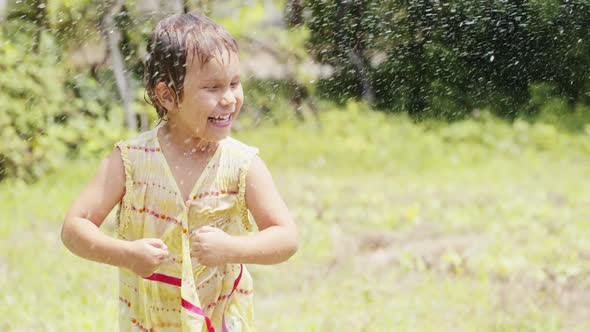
476	226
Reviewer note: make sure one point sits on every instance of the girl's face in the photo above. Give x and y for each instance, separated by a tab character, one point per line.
212	98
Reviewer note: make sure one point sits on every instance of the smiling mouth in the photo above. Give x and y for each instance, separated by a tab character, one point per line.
222	120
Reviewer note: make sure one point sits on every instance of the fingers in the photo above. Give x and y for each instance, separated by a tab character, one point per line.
164	254
206	229
160	248
196	250
165	259
158	253
199	234
158	243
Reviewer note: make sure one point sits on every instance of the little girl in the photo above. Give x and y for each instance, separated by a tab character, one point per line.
187	193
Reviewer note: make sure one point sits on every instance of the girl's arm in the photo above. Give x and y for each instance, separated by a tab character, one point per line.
276	240
80	231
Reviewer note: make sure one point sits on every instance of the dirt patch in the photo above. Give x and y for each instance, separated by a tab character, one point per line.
436	250
570	297
425	244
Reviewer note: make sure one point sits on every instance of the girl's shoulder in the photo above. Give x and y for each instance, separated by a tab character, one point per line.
145	139
237	147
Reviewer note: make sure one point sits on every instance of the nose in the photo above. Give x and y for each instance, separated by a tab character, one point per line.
228	98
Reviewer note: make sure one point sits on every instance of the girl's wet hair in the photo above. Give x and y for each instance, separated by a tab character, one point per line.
176	41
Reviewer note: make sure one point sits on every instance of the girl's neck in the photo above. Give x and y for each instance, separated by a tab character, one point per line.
184	142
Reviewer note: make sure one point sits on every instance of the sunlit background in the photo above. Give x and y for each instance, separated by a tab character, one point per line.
435	155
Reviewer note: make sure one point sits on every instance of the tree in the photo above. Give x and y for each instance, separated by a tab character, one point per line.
427	57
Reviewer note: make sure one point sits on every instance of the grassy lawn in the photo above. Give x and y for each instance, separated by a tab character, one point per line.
476	226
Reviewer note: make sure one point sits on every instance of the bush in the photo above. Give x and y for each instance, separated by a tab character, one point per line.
444	59
34	102
48	117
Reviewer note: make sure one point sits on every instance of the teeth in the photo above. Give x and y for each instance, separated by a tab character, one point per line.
220	119
223	117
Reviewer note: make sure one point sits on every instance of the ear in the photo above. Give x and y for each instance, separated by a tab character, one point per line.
166	96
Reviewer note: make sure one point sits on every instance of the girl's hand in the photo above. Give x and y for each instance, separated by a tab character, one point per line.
147	255
211	246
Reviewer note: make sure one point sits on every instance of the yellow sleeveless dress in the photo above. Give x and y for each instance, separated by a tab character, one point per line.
183	295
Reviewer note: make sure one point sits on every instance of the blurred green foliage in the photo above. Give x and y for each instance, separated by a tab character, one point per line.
443	59
33	106
50	114
434	61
